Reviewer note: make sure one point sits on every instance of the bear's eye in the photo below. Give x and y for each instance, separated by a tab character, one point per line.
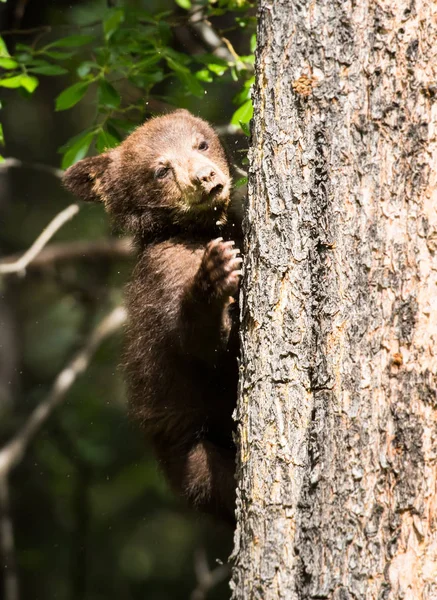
203	145
162	172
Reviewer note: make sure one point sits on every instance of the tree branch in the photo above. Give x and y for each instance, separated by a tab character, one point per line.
20	265
7	543
15	163
207	579
229	129
208	34
69	251
13	452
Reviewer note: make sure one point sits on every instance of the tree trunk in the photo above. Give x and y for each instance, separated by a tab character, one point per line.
338	405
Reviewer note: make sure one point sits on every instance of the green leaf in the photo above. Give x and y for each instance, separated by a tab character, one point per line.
176	66
71	96
123	124
204	75
245	93
245	127
2	137
108	95
192	84
23	47
217	69
48	70
8	63
243	114
72	41
211	59
59	55
147	62
215	64
112	22
106	140
3	48
27	82
184	4
253	42
147	80
23	57
84	68
77	148
240	182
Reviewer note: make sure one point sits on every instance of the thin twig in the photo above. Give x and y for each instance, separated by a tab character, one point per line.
7	543
15	163
207	579
12	453
70	251
19	266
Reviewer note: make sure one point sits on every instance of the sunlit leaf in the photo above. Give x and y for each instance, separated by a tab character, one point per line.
184	4
71	96
204	75
2	137
8	63
27	82
3	48
243	114
253	42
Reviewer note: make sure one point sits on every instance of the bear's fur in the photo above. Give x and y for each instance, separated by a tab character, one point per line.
169	185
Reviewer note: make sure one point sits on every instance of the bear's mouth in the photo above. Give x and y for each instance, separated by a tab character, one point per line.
213	193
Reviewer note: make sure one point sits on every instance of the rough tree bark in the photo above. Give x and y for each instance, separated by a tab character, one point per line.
338	405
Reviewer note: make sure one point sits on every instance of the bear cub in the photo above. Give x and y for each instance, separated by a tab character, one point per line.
169	185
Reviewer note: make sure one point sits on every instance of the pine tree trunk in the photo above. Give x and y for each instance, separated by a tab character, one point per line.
338	404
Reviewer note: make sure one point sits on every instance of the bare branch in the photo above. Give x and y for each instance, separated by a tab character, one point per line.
7	544
15	163
208	34
13	452
207	579
229	130
69	251
20	265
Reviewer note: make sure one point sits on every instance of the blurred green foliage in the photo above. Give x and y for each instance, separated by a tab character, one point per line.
132	48
93	517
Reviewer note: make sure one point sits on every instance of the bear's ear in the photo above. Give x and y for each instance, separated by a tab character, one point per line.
83	178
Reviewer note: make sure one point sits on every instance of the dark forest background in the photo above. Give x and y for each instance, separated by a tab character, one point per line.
92	516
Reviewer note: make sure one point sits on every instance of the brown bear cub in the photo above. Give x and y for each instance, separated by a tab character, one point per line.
169	185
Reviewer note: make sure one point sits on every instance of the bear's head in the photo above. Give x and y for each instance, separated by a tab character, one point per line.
169	175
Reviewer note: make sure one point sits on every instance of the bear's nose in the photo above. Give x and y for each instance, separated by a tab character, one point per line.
205	175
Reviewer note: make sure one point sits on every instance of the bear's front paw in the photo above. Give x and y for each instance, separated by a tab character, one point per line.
220	270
